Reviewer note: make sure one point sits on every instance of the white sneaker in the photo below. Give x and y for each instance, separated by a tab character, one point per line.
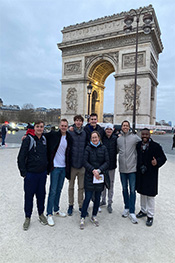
99	209
82	223
133	218
125	213
50	220
59	213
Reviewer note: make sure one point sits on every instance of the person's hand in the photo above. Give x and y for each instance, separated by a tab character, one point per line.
154	161
23	137
96	174
71	128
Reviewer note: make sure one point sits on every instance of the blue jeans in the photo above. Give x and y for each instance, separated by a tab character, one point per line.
57	177
129	199
88	197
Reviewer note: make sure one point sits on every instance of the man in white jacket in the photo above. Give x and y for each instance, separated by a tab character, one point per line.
126	145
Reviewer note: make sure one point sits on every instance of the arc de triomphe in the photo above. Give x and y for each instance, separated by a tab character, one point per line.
92	50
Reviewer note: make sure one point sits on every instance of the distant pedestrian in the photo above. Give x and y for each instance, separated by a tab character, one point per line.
32	163
173	145
110	141
126	145
150	157
4	130
96	163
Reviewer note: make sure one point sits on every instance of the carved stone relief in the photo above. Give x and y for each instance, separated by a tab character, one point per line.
112	55
128	60
153	65
129	95
73	68
102	45
71	100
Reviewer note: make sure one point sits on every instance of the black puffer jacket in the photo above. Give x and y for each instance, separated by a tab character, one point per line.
111	145
35	160
78	147
95	158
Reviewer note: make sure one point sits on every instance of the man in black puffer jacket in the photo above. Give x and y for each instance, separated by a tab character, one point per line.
110	141
77	157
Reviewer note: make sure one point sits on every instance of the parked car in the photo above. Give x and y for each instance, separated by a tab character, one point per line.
12	127
158	131
22	126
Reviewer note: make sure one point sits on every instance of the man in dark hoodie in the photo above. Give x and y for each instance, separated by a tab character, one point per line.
77	156
93	126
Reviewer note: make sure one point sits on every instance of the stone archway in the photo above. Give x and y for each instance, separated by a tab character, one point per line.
92	50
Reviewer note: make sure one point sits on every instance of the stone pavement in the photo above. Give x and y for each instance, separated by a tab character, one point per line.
115	240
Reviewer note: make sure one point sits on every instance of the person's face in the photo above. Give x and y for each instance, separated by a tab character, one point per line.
63	127
93	121
78	123
125	127
108	132
95	139
39	128
145	135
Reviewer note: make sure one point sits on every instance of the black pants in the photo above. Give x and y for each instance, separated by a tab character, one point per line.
34	184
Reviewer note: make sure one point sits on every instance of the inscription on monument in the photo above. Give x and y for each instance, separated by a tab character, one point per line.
128	60
72	68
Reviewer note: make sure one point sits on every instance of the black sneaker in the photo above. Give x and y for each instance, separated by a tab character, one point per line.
109	208
70	210
102	203
141	214
149	221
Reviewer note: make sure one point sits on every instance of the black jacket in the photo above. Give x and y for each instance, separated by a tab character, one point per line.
35	160
147	183
95	158
78	148
88	129
111	145
53	141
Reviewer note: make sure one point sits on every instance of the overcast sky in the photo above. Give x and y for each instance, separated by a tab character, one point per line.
31	64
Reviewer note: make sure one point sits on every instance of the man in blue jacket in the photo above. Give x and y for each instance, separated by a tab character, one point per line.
32	163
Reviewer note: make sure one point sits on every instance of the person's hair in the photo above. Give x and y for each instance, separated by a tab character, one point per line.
145	129
78	117
97	134
93	115
125	121
38	122
64	120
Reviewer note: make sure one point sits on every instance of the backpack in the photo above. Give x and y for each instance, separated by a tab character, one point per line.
33	142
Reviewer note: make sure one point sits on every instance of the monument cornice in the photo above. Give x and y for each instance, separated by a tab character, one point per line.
106	43
101	20
139	75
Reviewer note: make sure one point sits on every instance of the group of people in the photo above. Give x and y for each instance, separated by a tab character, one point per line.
89	154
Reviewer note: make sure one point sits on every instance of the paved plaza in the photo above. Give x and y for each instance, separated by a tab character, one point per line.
115	240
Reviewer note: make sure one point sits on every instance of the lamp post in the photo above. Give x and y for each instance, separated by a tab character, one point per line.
147	18
89	91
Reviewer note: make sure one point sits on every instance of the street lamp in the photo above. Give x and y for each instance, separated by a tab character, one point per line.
147	18
89	91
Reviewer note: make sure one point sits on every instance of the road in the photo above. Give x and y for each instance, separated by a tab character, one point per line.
165	140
